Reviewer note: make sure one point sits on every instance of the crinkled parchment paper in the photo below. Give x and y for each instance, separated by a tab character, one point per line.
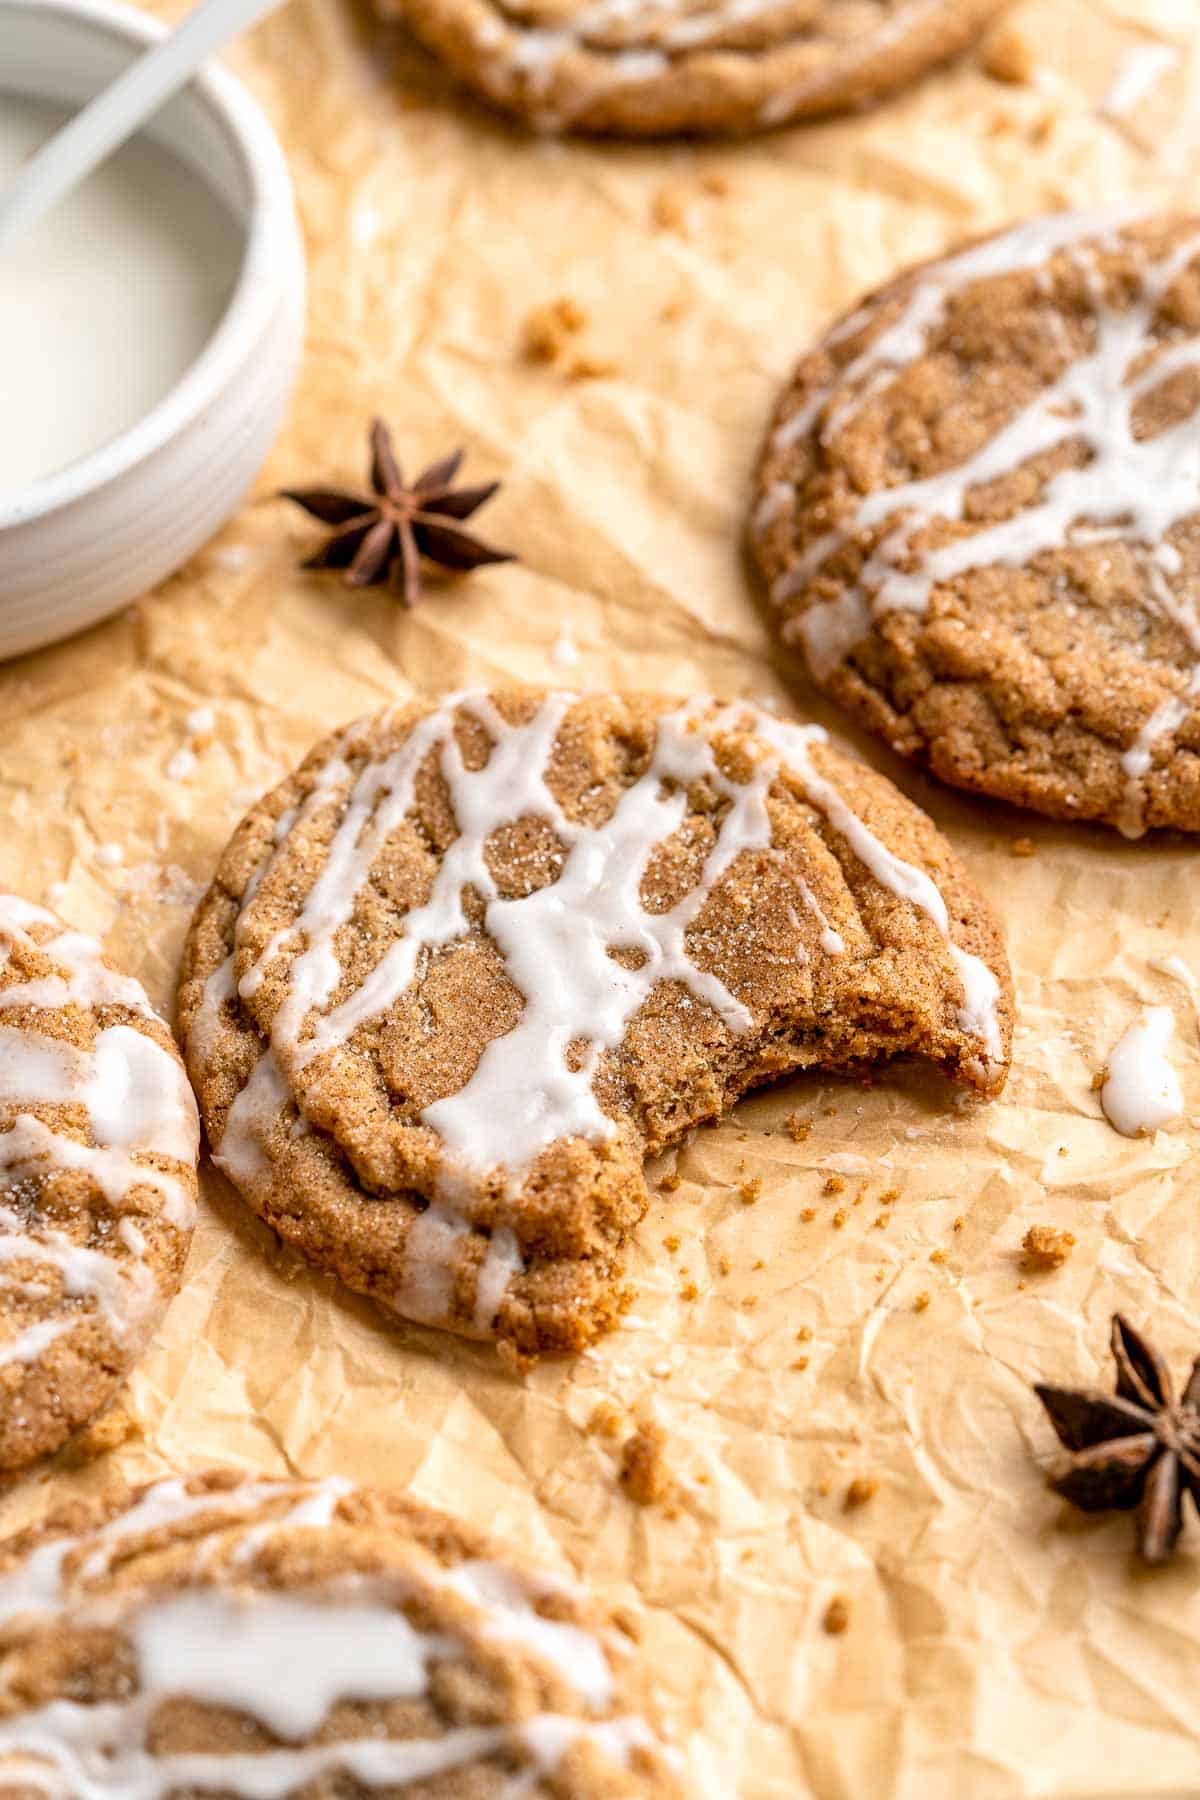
996	1645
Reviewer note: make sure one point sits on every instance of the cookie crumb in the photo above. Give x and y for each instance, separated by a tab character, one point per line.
724	1264
958	1223
808	1215
798	1128
689	1291
1044	1248
834	1184
921	1302
750	1191
836	1616
592	368
1008	56
801	1362
804	1335
671	1244
107	1433
861	1489
1099	1079
668	210
839	1218
937	1256
889	1196
605	1420
644	1475
1023	847
668	1183
549	329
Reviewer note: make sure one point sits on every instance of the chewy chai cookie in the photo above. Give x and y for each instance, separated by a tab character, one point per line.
978	512
474	960
654	68
244	1637
98	1145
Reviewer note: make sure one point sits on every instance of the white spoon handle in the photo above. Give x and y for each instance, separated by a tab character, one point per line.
117	112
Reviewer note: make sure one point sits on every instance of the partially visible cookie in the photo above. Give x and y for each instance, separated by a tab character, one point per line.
98	1145
651	68
978	511
242	1637
473	961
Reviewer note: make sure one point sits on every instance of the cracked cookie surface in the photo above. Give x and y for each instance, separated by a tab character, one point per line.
474	961
978	513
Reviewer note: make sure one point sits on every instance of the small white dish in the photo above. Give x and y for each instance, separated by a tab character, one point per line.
78	544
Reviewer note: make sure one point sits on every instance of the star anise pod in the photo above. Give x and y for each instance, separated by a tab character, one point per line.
383	536
1136	1449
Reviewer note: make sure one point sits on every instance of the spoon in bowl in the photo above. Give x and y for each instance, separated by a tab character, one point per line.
118	110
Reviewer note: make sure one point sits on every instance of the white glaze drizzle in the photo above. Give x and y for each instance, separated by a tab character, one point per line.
1130	490
285	1659
1141	1090
556	942
532	54
136	1102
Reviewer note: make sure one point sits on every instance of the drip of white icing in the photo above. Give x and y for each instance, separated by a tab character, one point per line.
557	944
1129	489
137	1105
285	1659
831	941
74	1752
253	1650
1142	1090
31	1343
978	1015
503	1602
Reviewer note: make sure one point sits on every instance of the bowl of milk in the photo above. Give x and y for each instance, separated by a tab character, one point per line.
150	326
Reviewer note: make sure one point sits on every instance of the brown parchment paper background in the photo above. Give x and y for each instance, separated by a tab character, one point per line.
996	1645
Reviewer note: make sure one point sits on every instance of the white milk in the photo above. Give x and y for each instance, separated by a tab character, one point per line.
106	301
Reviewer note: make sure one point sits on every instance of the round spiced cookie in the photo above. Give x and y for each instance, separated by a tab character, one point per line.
98	1145
655	68
978	512
241	1637
474	960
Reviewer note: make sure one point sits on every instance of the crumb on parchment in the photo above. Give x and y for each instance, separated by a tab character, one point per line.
548	329
836	1616
1044	1248
862	1489
644	1475
1008	55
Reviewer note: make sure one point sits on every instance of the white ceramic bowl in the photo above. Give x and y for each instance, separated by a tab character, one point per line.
88	539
